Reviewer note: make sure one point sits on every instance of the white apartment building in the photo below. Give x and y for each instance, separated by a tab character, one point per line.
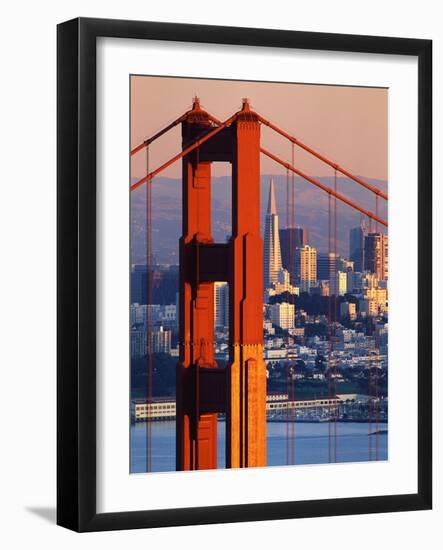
282	315
306	267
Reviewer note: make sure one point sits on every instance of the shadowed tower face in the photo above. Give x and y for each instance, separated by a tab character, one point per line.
272	250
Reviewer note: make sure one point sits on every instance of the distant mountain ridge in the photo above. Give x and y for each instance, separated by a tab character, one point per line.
311	211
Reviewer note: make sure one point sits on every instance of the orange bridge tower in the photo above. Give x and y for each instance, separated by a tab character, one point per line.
203	389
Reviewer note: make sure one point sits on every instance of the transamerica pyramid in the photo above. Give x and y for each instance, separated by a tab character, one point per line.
272	251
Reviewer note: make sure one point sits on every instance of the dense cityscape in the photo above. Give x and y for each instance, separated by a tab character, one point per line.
325	324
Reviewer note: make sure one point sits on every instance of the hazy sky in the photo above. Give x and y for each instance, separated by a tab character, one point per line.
347	124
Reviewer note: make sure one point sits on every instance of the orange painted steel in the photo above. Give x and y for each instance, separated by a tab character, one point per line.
196	432
246	410
203	389
324	159
325	188
159	133
185	116
195	144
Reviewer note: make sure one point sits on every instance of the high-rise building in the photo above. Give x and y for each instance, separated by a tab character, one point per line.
282	286
338	283
345	265
272	250
160	341
357	247
348	309
144	315
376	255
327	265
221	304
306	267
290	239
282	315
139	284
354	282
379	295
368	307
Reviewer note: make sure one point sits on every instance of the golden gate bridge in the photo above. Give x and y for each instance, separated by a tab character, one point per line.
238	391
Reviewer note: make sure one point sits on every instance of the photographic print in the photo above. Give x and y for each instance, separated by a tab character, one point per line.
259	274
241	337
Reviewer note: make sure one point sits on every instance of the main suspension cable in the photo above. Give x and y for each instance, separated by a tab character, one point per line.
324	159
320	185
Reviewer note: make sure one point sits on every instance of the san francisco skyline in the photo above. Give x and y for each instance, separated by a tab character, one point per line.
313	329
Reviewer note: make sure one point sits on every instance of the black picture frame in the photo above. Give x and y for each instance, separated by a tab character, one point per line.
76	264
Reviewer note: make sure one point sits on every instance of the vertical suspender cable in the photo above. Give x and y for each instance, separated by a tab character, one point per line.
370	263
196	364
149	332
293	301
288	254
329	328
377	363
198	351
362	244
336	290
